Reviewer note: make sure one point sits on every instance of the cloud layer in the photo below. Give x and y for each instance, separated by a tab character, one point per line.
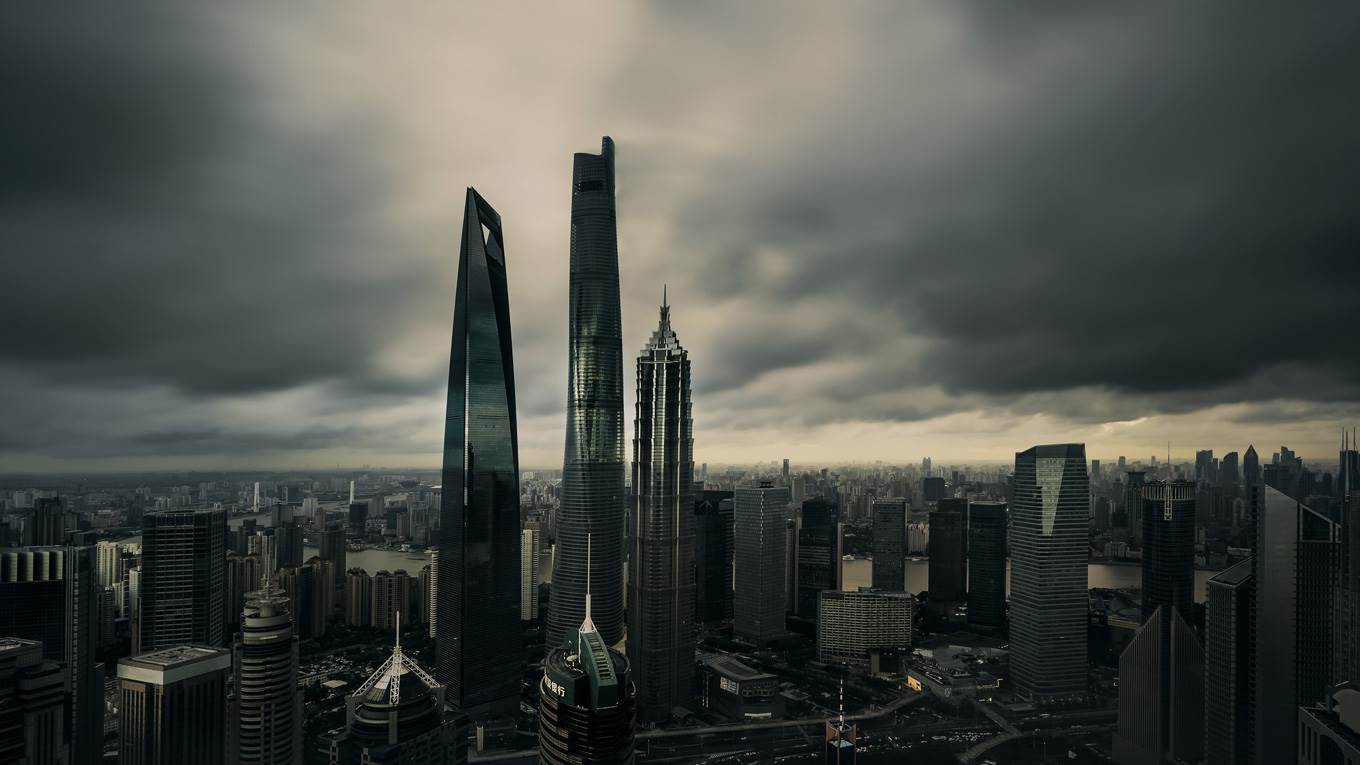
229	235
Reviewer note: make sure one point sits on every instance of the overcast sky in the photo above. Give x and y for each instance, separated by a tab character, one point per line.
229	232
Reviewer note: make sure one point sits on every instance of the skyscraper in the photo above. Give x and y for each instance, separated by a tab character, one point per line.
183	578
713	550
174	706
1293	565
1048	571
50	595
819	554
586	702
331	547
49	522
592	499
661	528
949	551
889	544
1133	501
1161	671
987	564
268	704
477	644
1228	667
758	579
1169	547
1251	467
32	704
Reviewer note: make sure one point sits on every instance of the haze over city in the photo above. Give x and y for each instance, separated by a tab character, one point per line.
888	232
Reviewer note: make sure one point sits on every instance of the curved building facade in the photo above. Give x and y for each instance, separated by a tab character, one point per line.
593	497
586	704
661	529
477	637
268	703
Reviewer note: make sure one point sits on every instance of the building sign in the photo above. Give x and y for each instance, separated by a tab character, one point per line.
556	689
731	686
914	684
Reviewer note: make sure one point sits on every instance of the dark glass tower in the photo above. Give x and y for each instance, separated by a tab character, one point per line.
1049	516
478	649
819	554
661	529
1228	667
592	472
713	515
759	559
889	544
948	545
987	564
1169	547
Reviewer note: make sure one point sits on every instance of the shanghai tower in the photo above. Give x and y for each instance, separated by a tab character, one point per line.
477	636
592	499
661	529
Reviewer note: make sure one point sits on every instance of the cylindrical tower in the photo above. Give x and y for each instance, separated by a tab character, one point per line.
268	707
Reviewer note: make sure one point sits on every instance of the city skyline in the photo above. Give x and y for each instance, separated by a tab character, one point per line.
241	327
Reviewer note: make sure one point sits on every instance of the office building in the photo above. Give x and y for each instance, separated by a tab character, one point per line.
399	716
267	708
1048	572
1228	667
714	513
1295	566
50	595
889	544
358	516
987	526
331	547
819	554
933	488
1251	467
592	488
1133	502
109	563
949	551
1330	730
173	704
660	540
760	514
853	624
1161	693
586	702
528	574
477	643
300	586
738	692
287	543
32	705
1169	547
183	578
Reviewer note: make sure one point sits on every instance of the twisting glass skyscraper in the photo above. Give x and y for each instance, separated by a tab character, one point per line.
1049	516
478	645
661	528
592	473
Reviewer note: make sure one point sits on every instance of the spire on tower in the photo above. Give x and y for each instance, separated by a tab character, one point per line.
587	625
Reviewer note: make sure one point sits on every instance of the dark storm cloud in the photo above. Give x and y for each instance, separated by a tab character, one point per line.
1161	201
158	226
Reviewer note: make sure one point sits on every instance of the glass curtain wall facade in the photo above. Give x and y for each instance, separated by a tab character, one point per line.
593	497
1049	515
759	566
889	544
478	652
987	564
661	529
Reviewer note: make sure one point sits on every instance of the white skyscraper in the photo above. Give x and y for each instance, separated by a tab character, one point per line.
256	503
528	574
108	563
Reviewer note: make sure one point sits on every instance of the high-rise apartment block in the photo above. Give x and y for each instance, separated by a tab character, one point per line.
852	625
